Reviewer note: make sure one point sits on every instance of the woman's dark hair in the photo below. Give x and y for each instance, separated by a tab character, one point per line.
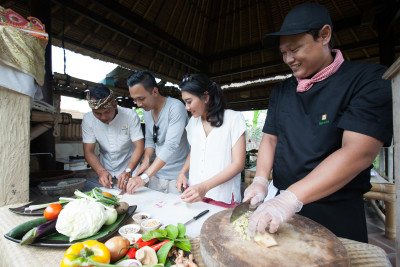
198	84
145	78
99	92
315	35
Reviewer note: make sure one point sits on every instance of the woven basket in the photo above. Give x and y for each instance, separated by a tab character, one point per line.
64	187
43	176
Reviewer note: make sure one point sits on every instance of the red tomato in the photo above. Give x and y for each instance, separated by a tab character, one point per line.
51	212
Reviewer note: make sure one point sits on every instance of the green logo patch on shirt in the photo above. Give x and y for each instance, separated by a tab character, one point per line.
323	119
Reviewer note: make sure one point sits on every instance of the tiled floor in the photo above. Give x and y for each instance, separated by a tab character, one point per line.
376	234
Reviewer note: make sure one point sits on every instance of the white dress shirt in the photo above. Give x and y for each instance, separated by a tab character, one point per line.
213	153
115	139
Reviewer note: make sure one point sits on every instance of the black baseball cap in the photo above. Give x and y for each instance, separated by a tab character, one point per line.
300	19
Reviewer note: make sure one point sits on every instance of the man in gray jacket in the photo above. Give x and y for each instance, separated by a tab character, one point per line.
165	120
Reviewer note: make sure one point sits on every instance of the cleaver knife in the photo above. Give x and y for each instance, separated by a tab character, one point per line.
240	210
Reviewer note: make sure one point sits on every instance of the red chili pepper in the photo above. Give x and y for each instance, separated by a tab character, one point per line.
131	253
140	243
157	246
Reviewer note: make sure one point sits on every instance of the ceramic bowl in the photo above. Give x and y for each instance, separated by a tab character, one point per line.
150	224
129	231
140	217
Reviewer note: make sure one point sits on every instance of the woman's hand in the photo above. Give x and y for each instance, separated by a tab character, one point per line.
181	181
273	212
194	193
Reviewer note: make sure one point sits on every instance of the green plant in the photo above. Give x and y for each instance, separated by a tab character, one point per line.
139	111
375	164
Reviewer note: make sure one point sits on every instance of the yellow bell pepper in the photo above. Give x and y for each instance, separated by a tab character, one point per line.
86	253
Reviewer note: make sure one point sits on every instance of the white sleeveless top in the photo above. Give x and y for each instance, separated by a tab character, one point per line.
210	155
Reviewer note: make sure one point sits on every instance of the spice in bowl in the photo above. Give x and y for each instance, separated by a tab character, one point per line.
150	224
129	231
140	217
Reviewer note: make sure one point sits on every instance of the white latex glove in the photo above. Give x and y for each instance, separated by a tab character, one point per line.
257	191
274	212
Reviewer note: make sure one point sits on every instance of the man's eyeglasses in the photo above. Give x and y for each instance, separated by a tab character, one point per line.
187	78
155	133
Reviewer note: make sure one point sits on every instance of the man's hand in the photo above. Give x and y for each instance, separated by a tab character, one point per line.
123	179
134	183
274	212
143	166
257	191
105	178
181	181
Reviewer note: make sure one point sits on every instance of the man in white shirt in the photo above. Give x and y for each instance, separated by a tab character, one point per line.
165	120
119	134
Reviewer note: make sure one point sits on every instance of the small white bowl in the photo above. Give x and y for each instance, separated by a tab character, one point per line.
129	262
150	224
129	231
140	217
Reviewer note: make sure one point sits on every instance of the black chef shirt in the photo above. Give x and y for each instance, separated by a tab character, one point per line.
310	125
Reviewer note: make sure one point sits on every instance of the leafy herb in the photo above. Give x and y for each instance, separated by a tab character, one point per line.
162	253
174	233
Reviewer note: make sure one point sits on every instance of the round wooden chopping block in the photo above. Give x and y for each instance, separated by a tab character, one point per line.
301	242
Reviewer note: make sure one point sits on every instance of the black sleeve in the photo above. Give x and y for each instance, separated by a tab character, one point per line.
370	109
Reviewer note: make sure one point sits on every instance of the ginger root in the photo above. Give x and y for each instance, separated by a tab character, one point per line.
182	261
147	256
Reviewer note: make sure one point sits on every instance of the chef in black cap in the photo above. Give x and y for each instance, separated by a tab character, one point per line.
324	128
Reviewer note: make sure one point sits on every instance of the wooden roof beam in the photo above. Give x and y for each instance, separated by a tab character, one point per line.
123	13
113	27
122	62
338	25
279	63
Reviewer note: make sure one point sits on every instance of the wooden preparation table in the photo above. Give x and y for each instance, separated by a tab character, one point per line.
166	207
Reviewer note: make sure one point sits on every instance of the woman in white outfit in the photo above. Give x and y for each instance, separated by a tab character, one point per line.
217	138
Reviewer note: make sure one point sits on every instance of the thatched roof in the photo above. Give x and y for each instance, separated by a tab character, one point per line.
220	38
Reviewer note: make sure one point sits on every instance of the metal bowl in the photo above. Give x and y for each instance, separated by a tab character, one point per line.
65	187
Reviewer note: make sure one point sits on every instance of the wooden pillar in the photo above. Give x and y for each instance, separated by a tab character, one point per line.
45	143
14	146
393	73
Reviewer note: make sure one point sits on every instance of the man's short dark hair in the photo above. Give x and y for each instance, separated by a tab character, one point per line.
99	92
143	77
315	35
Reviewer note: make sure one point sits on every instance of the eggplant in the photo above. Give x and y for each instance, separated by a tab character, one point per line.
38	232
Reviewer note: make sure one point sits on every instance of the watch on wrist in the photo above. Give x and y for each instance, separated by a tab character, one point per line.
128	170
145	177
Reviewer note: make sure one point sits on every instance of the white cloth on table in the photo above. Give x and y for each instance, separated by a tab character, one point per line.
213	153
19	82
115	139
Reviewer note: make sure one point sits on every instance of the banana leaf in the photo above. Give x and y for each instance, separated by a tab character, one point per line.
104	232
